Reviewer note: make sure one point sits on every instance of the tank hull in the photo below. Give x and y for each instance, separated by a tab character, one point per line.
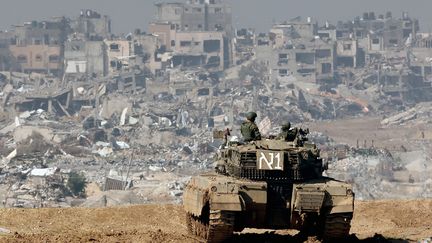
270	204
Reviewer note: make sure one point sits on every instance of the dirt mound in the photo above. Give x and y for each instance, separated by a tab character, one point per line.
378	221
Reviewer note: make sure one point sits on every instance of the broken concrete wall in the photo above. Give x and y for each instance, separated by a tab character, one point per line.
115	105
22	133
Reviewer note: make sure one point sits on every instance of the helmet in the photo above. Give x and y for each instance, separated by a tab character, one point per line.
251	116
286	126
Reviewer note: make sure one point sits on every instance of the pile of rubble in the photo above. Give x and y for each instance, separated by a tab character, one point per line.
419	114
36	188
378	174
133	136
148	140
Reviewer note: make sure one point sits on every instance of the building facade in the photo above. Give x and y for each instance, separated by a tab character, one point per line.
92	26
38	46
86	57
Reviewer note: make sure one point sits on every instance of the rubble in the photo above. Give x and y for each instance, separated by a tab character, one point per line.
418	114
94	98
378	174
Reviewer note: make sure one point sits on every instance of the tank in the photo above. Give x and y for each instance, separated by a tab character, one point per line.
268	184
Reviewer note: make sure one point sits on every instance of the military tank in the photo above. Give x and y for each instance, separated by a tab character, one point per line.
268	184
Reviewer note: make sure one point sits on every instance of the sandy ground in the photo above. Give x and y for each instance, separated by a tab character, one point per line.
396	221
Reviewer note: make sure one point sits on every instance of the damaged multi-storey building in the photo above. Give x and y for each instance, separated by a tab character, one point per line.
245	41
384	45
196	34
35	46
293	53
85	58
91	25
372	48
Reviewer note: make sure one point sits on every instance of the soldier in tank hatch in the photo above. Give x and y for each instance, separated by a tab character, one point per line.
288	134
249	129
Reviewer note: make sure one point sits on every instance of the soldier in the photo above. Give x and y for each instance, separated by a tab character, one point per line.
287	133
249	129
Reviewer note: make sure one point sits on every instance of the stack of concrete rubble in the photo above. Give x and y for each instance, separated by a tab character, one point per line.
377	174
36	188
162	136
420	114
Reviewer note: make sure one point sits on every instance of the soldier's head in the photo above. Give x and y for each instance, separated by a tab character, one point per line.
251	116
286	126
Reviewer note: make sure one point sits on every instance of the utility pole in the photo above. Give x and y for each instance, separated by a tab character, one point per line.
128	169
96	96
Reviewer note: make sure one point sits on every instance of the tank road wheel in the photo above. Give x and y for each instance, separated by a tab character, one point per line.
214	227
336	227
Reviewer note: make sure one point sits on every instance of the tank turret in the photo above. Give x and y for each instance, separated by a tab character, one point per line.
270	160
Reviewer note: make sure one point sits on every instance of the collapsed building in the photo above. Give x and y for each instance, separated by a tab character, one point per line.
373	50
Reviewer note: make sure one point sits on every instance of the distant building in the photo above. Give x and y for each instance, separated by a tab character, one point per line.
293	53
153	56
349	54
294	29
120	53
165	32
37	58
197	33
86	57
92	26
383	31
199	49
404	86
7	62
197	15
38	46
244	45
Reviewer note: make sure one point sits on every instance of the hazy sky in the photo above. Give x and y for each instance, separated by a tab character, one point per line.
130	14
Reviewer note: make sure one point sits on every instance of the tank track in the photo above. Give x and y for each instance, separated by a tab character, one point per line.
218	228
336	226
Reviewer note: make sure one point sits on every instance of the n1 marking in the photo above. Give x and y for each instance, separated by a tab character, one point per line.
271	163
